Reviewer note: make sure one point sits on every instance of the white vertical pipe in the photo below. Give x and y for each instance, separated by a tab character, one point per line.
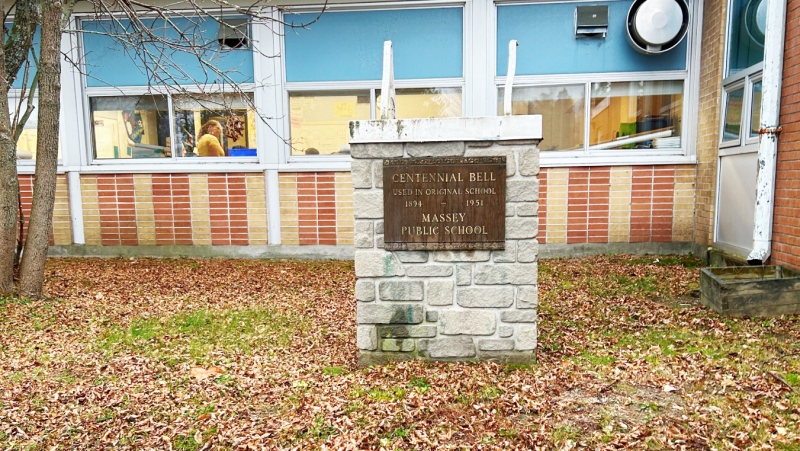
512	69
273	207
76	206
768	135
388	104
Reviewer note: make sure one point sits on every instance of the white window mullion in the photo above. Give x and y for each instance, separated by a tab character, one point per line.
373	104
268	91
588	115
172	131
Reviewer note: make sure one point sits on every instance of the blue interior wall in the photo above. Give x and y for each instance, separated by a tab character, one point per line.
341	46
114	58
547	43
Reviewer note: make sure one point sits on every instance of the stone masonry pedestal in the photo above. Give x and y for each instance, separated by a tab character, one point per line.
447	304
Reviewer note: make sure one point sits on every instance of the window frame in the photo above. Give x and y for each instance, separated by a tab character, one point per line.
615	77
223	163
742	79
687	154
90	93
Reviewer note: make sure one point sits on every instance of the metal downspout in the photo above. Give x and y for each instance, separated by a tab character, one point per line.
770	129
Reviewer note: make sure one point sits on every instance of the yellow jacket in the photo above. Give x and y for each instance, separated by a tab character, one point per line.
208	146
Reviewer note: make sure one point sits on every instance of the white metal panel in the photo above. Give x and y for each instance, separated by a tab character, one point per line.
737	199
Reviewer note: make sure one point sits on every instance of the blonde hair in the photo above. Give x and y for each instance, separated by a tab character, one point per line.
208	125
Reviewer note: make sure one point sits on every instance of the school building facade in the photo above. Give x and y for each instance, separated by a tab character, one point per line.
636	122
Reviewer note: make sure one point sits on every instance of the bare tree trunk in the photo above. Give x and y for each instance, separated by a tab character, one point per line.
44	188
9	189
13	54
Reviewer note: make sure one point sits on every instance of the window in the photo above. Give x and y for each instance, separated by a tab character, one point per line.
563	110
636	115
748	22
334	67
742	86
732	125
319	120
130	127
234	114
127	127
183	51
621	115
755	110
189	54
26	144
597	96
550	47
424	102
741	112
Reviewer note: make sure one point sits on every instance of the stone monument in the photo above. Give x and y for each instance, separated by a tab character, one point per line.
445	237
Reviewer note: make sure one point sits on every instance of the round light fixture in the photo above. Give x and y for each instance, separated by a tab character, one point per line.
657	26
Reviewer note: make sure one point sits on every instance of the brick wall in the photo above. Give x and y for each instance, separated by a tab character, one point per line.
616	204
174	209
786	221
316	208
61	234
711	67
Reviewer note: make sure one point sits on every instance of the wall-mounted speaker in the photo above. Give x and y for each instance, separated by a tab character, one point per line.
657	26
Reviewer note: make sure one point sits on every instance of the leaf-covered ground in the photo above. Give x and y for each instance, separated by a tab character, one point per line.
235	354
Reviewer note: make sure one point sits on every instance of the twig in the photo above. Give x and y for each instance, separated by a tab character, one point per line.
608	387
783	381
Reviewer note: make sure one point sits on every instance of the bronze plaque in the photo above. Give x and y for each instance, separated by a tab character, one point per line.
444	203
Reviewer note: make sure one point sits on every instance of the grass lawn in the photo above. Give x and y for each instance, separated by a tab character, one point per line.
244	354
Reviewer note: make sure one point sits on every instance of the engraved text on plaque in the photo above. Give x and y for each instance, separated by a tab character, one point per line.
444	203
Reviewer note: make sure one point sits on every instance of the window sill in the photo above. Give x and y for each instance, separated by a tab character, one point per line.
549	159
554	159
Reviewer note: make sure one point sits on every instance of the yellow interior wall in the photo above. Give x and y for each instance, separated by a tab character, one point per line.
323	122
425	105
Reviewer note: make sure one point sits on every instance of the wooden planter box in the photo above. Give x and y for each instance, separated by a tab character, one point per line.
751	290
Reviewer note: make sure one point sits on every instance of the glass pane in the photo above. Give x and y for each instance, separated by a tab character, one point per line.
26	144
733	115
428	43
424	102
215	125
748	24
184	49
562	109
755	110
320	121
130	127
636	115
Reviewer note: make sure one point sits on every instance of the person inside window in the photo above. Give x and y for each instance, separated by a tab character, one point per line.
208	144
133	126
